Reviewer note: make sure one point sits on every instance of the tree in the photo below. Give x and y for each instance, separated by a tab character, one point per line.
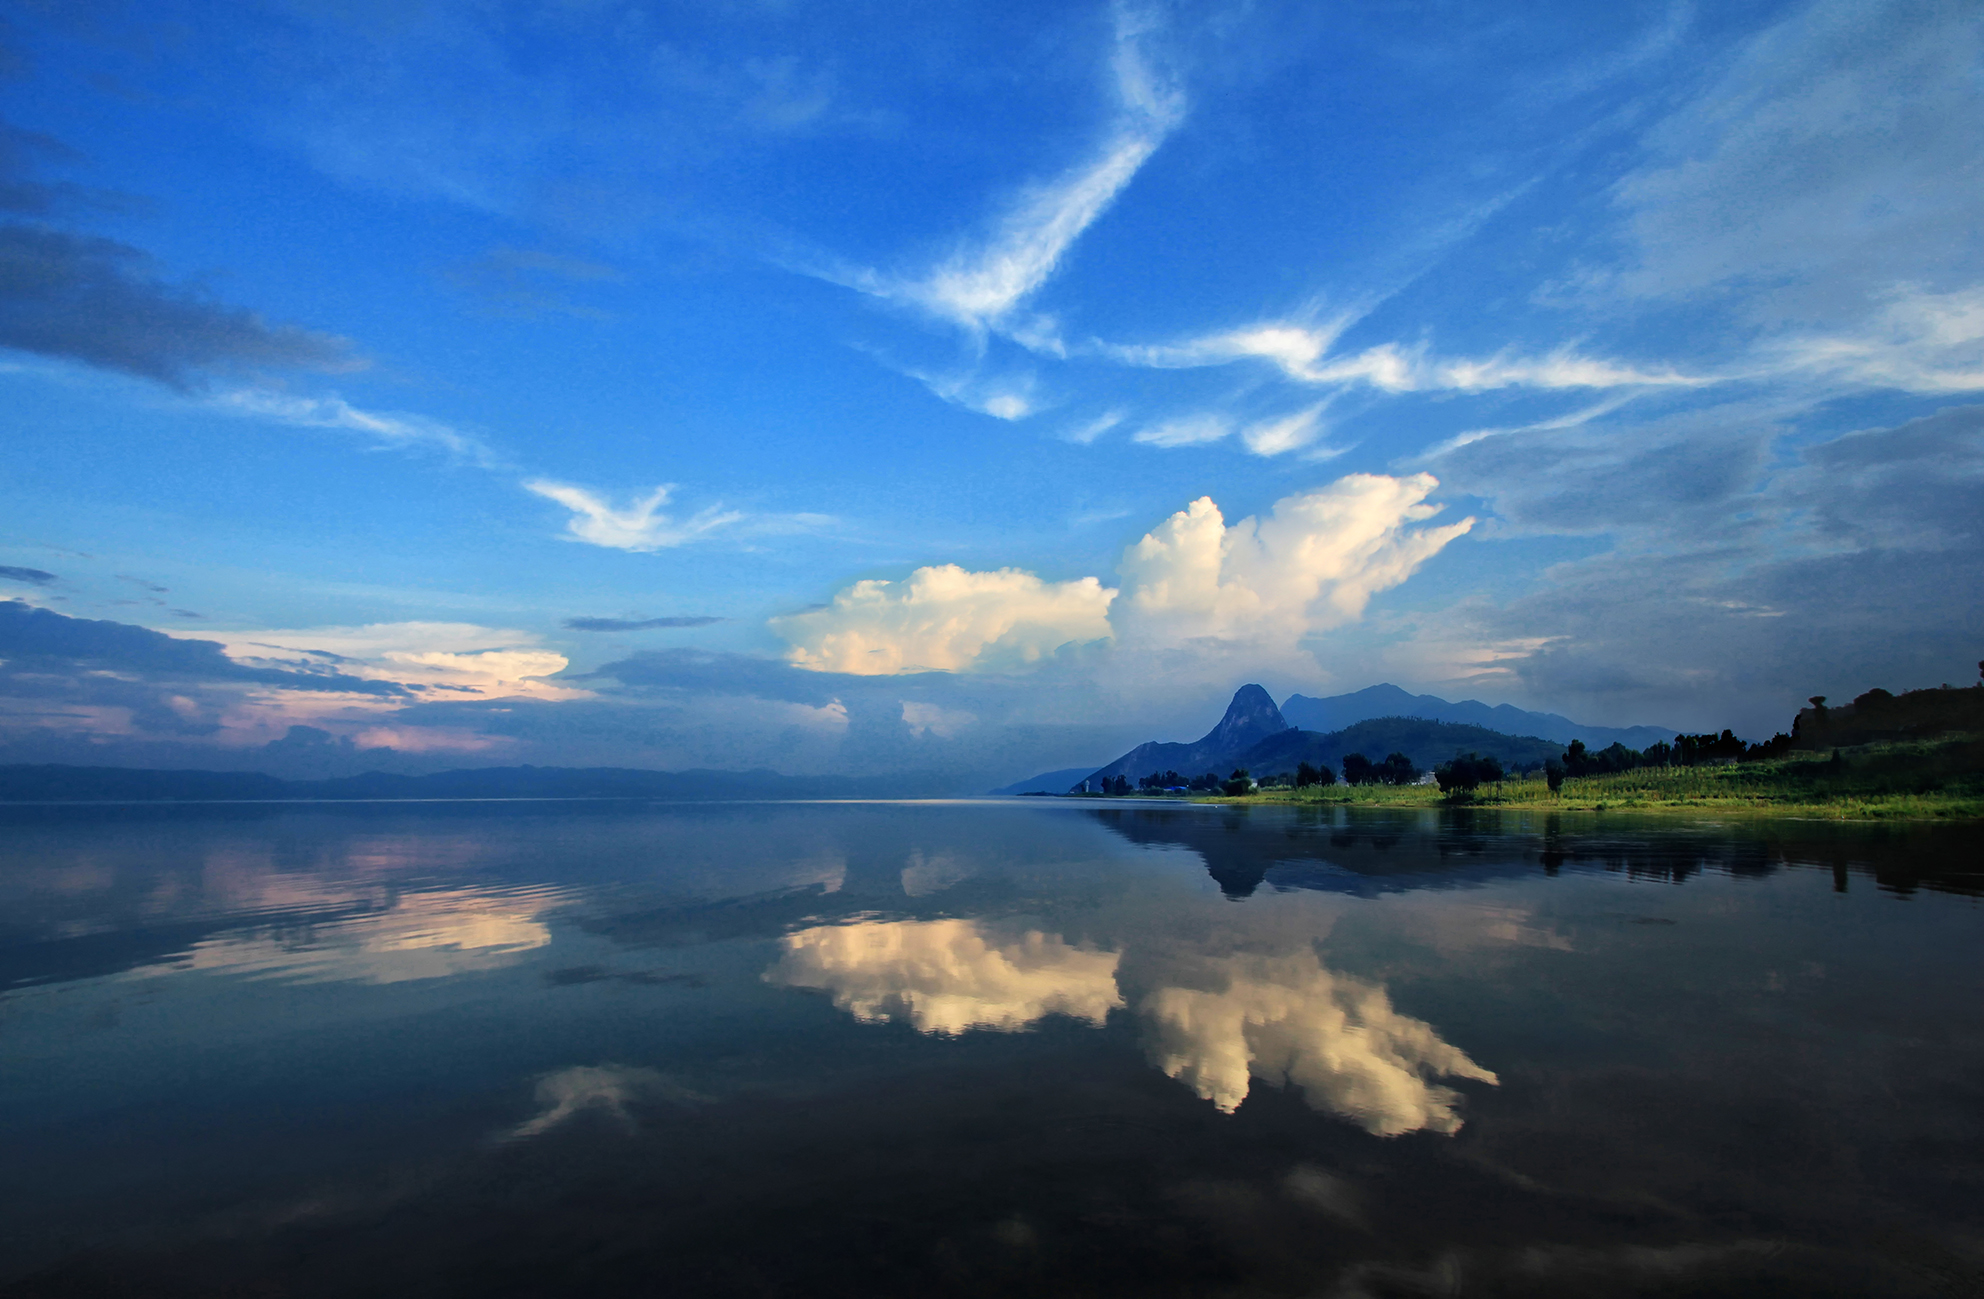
1397	769
1359	770
1238	783
1553	774
1307	774
1467	772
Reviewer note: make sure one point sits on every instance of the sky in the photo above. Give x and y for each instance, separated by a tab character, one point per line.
971	389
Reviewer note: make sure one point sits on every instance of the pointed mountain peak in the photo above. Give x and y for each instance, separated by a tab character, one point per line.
1250	718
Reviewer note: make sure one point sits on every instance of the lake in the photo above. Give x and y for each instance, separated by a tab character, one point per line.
995	1047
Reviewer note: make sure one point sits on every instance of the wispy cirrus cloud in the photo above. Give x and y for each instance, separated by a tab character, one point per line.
638	526
983	283
1306	354
387	428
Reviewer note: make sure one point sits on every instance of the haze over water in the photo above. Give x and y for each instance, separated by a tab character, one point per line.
984	1048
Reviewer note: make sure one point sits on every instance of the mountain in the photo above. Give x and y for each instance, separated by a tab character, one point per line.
1047	782
62	784
1338	711
1427	743
1250	718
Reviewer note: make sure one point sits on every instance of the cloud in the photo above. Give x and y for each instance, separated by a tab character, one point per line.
389	428
36	576
426	935
526	282
1288	1019
89	299
1304	354
640	527
606	1089
639	624
1313	562
983	282
949	976
45	643
427	659
1269	437
945	618
1915	342
944	723
1821	164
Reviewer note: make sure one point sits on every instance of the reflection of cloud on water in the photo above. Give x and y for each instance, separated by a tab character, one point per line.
947	976
1335	1037
423	936
933	874
608	1088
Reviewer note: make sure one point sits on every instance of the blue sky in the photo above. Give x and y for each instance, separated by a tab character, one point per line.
972	388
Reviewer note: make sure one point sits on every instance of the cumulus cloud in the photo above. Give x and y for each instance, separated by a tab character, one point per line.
944	723
949	976
1287	1019
946	618
641	526
1314	561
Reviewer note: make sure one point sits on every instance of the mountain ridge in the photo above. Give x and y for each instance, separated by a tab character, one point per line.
1334	712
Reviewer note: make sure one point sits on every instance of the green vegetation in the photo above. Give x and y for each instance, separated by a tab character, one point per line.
1941	778
1916	755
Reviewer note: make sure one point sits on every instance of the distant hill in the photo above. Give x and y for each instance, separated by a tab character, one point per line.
1250	718
1047	782
63	784
1426	743
1338	711
1879	715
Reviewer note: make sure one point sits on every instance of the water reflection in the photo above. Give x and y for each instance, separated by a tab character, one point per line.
605	1089
1214	1023
1288	1019
426	935
948	976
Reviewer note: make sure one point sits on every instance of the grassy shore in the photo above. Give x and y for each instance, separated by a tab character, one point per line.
1931	780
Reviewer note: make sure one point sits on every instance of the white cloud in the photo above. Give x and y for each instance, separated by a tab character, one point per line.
982	284
1289	433
1313	562
949	976
1917	342
641	526
1185	431
1083	434
1288	1018
945	618
392	429
1303	353
429	935
606	1088
944	723
461	660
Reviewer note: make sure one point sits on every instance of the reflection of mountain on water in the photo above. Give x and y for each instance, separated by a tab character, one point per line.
1342	850
1312	849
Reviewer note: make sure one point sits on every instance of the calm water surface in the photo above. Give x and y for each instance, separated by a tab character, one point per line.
882	1049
